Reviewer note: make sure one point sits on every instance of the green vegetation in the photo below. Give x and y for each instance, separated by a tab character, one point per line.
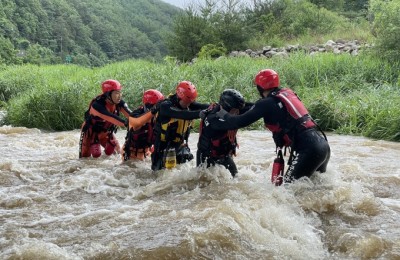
345	94
275	23
98	32
386	28
84	32
95	33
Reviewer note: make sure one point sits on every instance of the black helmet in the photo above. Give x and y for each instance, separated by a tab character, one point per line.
231	98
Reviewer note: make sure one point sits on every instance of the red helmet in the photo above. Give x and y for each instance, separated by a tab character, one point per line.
152	96
110	85
267	79
186	91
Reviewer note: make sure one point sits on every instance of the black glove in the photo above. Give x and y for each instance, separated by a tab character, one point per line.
183	154
126	123
156	108
278	139
221	113
203	113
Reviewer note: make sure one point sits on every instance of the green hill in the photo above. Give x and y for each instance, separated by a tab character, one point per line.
87	32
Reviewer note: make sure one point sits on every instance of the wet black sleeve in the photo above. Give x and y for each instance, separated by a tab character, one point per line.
168	110
125	108
198	106
99	109
137	112
247	107
230	122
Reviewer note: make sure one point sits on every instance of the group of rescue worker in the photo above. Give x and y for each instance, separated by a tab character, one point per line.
160	124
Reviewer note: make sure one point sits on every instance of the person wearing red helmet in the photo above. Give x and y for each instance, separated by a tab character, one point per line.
174	117
290	123
138	142
101	121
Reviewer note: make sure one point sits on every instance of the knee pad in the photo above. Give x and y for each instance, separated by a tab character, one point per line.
95	150
110	147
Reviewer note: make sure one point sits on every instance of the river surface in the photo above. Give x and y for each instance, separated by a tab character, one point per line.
55	206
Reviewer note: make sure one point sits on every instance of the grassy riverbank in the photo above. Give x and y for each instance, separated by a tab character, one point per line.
346	94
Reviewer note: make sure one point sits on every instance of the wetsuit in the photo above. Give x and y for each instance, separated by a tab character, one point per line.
101	121
216	146
172	129
138	143
310	149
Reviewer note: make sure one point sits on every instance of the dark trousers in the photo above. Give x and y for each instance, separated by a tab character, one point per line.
311	154
226	161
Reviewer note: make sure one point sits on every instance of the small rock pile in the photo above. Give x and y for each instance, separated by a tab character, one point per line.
337	47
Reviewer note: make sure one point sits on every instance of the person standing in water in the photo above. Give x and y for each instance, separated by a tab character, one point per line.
139	142
173	124
101	121
219	146
289	121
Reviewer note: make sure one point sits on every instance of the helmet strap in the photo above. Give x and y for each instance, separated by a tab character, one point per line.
108	97
260	91
147	107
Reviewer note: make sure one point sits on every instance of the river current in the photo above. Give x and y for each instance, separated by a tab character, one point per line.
55	206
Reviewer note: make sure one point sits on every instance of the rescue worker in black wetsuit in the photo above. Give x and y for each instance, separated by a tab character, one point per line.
173	123
288	120
101	121
218	146
139	143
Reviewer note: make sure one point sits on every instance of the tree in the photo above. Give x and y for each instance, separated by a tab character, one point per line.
191	32
229	24
7	51
37	54
216	22
385	19
108	29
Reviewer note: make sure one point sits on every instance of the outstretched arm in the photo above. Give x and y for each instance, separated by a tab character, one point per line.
167	110
231	122
125	109
198	106
99	110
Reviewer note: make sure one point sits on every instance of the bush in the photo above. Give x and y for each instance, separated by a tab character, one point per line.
49	108
303	18
386	27
212	51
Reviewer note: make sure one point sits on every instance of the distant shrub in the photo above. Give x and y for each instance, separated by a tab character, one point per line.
386	27
212	51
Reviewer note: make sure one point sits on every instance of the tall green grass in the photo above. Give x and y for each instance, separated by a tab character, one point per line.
346	94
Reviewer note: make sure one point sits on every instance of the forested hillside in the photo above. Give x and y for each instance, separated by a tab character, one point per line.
97	32
86	32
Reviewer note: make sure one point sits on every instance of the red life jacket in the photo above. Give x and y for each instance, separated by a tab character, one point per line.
96	123
224	145
298	117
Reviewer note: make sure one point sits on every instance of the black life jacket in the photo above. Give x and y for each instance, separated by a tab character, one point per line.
217	146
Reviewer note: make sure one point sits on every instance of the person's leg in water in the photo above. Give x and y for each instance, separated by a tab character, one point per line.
229	164
157	157
313	155
226	161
